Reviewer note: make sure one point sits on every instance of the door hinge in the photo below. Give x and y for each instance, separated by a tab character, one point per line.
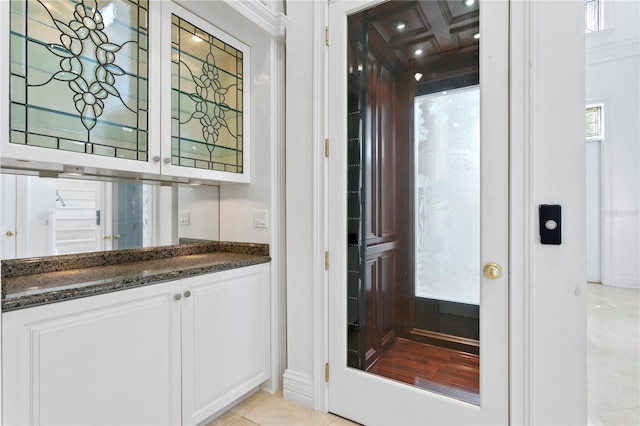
326	147
326	372
326	260
326	35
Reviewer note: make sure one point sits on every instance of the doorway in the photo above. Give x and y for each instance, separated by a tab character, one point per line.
406	320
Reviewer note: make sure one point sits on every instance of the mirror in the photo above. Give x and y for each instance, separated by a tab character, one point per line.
51	216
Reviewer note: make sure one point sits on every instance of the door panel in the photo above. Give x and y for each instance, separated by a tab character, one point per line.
372	201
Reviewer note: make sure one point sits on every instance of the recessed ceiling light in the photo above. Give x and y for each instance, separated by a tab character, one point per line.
469	2
417	76
400	25
476	36
418	52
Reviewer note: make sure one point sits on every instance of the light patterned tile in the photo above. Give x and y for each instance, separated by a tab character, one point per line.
242	421
251	402
341	421
226	419
279	411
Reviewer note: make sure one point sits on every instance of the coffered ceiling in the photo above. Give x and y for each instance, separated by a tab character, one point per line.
435	27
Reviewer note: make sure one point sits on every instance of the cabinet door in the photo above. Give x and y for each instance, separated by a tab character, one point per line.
205	101
225	339
76	80
109	359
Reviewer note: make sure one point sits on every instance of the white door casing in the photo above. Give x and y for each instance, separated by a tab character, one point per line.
373	400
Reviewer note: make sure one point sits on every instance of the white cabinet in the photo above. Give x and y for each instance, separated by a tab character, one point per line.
223	362
169	353
135	88
109	359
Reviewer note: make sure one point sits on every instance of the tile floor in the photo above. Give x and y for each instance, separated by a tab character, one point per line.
613	330
613	355
262	408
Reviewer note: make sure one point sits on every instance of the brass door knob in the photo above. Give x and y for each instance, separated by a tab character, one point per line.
117	236
106	237
492	271
9	233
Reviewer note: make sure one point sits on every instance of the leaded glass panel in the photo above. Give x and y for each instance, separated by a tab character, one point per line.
206	100
594	121
79	76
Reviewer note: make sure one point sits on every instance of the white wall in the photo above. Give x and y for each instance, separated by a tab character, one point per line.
557	346
200	204
613	79
298	380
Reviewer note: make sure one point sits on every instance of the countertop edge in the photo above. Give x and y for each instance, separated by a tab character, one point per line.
60	295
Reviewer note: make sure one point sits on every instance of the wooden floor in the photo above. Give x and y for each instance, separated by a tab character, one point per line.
445	371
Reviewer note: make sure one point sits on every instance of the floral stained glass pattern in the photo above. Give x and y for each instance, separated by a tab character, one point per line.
79	76
207	100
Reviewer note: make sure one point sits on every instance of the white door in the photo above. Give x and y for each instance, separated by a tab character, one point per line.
412	229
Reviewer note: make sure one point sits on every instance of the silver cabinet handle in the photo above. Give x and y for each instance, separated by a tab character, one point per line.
187	293
177	296
156	158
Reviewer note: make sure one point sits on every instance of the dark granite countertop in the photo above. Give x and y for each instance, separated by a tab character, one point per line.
43	280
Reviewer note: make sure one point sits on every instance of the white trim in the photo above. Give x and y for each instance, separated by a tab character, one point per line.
274	23
278	224
606	194
521	192
612	51
625	282
298	388
320	205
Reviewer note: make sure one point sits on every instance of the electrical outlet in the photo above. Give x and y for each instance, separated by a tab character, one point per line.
260	219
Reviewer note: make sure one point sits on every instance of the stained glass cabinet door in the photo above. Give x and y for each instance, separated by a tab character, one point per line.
122	85
203	93
75	83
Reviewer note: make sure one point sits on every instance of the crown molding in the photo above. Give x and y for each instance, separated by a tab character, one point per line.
267	15
612	51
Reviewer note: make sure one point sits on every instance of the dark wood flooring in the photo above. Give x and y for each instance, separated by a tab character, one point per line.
445	371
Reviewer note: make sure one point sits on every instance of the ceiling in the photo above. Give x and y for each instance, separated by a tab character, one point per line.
436	27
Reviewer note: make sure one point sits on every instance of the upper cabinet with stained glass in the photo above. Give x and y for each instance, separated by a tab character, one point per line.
207	103
124	85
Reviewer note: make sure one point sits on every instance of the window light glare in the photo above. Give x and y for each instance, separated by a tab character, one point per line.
196	38
476	36
469	2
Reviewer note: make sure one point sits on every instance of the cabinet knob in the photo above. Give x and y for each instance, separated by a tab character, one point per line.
117	236
9	233
106	237
156	158
187	293
167	160
177	296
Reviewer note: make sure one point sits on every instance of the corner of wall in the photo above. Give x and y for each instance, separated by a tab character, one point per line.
298	388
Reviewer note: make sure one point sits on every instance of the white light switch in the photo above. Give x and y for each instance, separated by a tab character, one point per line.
260	219
185	217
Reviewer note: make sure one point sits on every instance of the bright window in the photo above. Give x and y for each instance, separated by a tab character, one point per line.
592	15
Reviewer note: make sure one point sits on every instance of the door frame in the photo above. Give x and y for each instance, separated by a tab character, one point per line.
525	402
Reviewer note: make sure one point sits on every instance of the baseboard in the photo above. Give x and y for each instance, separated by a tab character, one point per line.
624	282
298	388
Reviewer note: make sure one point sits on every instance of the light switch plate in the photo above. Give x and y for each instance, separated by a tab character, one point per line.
185	217
260	219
